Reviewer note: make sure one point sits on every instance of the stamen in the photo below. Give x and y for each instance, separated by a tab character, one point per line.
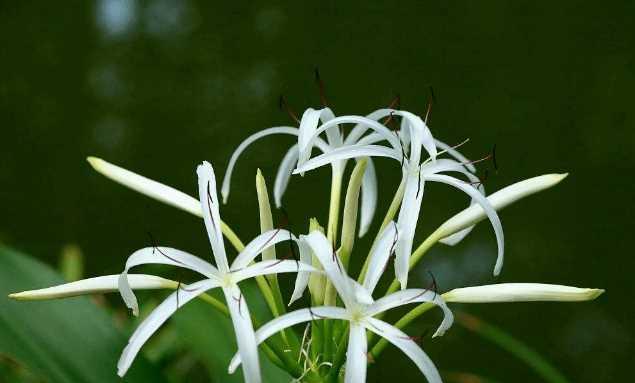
314	315
282	104
157	249
430	101
434	285
209	204
239	300
320	83
494	158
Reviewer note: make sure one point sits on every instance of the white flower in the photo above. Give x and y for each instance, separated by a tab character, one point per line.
521	292
224	275
334	139
360	308
414	173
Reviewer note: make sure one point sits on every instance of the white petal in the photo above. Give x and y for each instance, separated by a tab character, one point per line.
283	175
96	285
358	131
407	224
158	316
287	320
346	152
332	265
380	255
244	332
302	280
521	292
211	215
408	296
273	266
485	205
259	244
420	136
499	200
165	256
369	198
143	185
456	154
368	123
407	346
356	354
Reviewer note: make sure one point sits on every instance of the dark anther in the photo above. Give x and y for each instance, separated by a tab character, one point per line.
494	158
434	286
209	205
282	103
336	260
178	287
431	100
320	83
419	182
314	315
156	249
239	300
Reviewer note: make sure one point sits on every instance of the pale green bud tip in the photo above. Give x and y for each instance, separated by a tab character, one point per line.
96	163
521	292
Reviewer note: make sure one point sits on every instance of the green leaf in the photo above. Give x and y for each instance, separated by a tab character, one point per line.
70	340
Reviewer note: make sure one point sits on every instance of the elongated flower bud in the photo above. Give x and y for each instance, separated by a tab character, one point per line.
521	292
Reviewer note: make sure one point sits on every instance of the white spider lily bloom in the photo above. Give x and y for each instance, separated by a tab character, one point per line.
96	285
298	153
360	308
521	292
223	275
415	173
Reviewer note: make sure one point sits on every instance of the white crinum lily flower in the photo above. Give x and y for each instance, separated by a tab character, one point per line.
360	308
224	275
297	152
415	173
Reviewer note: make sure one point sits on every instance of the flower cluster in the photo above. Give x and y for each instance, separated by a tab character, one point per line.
345	313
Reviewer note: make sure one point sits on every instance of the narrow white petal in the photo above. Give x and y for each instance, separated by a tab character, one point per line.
408	296
283	175
356	354
160	255
499	200
244	332
420	136
96	285
380	255
406	225
407	346
369	198
456	154
287	320
308	128
346	152
273	266
358	131
158	316
150	188
302	280
211	214
521	292
486	207
332	265
259	244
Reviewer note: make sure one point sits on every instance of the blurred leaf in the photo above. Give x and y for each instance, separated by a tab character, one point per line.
512	345
69	340
210	336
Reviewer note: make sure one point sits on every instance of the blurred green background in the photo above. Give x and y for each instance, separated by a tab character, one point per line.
158	86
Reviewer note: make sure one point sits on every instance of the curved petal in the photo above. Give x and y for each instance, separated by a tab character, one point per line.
358	131
420	135
150	188
158	316
407	346
407	224
283	175
408	296
356	354
380	255
164	256
485	204
455	154
369	198
302	280
211	215
346	152
273	266
521	292
260	244
287	320
332	265
96	285
244	332
308	127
